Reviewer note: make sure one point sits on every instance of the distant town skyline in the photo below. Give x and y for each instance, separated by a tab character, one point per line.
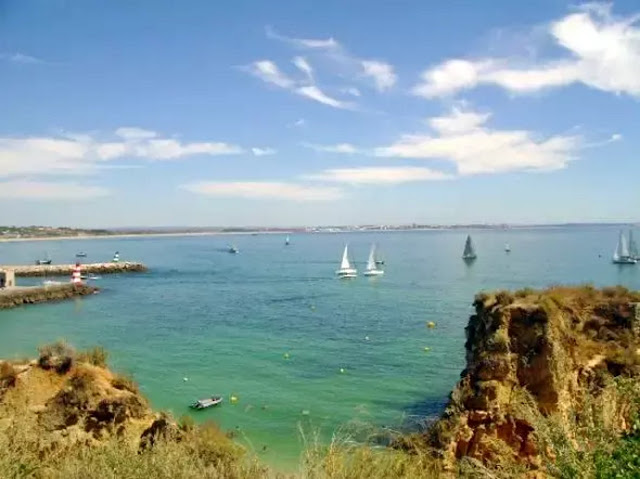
267	114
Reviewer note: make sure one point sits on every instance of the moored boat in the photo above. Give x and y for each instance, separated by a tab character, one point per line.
233	249
206	403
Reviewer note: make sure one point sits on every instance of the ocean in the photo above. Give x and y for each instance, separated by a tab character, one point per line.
307	355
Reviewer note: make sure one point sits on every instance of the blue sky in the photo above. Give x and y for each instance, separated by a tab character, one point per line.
156	112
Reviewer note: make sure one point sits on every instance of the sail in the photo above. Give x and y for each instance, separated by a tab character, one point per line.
468	252
371	262
633	246
345	259
623	248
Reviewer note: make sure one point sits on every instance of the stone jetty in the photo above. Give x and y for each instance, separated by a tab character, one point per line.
67	269
21	295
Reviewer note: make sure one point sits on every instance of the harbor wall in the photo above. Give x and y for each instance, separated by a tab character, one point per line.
18	296
67	269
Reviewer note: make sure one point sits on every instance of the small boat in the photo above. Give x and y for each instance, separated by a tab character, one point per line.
372	267
346	271
469	253
205	403
622	254
507	248
287	241
46	260
633	247
81	254
233	249
116	257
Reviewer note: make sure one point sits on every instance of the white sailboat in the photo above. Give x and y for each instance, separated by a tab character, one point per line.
507	248
372	264
346	270
633	247
469	253
286	241
621	254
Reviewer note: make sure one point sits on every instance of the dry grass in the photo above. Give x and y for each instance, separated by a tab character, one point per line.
59	356
96	356
125	382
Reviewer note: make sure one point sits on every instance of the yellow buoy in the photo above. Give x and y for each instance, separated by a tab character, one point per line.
286	355
431	325
427	348
341	370
233	399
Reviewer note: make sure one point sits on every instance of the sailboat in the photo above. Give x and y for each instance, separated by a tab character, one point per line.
469	253
286	241
633	247
372	264
507	248
621	254
346	270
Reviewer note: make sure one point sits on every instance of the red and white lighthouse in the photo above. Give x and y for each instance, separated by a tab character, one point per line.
76	276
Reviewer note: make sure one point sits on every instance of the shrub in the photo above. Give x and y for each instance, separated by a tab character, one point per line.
58	356
8	375
124	383
97	356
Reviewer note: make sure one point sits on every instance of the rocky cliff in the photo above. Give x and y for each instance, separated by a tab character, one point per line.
537	354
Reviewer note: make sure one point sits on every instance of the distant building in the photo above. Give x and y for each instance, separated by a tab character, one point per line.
7	278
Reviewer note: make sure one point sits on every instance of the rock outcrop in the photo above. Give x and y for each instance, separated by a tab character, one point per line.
543	348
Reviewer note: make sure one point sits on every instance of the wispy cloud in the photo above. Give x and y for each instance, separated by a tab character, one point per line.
345	148
376	73
463	138
602	52
390	175
300	122
21	58
265	190
303	65
82	153
263	151
269	72
39	190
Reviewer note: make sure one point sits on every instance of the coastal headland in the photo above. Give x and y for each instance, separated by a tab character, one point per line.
21	295
551	388
67	269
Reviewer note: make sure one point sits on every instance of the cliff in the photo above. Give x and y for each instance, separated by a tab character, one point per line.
539	360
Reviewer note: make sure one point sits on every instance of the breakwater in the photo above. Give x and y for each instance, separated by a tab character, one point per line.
18	296
67	269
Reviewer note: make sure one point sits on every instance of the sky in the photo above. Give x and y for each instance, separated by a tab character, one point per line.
287	113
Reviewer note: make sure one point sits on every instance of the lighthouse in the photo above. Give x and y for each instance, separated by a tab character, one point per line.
116	257
76	276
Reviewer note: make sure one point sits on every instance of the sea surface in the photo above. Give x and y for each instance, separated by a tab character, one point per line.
203	321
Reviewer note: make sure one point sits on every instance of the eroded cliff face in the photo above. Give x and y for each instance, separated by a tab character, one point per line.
549	349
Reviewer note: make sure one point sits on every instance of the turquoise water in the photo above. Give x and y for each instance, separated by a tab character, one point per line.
225	321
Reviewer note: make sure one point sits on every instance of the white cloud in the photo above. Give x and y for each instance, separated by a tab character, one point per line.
463	139
603	52
300	122
382	74
133	133
265	190
303	65
38	190
313	92
81	154
353	91
345	148
269	72
309	43
379	175
377	73
263	151
20	58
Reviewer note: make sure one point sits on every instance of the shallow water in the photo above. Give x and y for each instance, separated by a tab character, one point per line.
226	321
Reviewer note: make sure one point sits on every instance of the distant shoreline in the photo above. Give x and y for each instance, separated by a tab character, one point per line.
327	230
